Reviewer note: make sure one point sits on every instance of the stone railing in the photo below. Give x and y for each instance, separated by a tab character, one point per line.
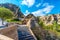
10	32
29	26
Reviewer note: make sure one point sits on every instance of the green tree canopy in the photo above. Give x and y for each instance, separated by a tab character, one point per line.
5	13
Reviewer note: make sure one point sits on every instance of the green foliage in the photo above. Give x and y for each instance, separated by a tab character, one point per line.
41	23
54	26
58	27
5	13
14	21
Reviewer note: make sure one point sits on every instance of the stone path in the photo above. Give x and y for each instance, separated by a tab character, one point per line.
24	33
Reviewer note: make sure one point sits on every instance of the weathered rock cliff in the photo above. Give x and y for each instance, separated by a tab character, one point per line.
14	8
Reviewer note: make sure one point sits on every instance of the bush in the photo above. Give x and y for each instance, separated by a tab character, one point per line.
41	24
15	20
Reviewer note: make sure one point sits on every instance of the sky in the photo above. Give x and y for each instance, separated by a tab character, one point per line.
36	7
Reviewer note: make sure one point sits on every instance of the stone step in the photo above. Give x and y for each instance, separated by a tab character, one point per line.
25	36
24	33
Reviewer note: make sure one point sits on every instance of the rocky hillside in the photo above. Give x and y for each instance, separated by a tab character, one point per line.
29	16
50	19
26	19
13	8
39	32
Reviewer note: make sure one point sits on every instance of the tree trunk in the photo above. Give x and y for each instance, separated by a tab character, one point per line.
2	21
16	12
56	25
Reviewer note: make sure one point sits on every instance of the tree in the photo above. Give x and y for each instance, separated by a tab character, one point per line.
5	14
56	20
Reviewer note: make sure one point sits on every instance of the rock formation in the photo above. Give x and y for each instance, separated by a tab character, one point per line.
48	20
16	10
27	18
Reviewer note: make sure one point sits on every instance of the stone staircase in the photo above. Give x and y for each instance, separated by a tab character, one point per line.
25	36
24	33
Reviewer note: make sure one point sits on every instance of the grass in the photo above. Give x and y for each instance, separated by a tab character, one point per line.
14	21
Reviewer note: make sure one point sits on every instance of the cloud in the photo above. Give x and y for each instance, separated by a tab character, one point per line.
29	3
38	13
48	8
3	1
38	5
43	11
45	4
26	13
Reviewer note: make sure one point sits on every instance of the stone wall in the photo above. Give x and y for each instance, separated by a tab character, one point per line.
29	26
10	32
3	37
